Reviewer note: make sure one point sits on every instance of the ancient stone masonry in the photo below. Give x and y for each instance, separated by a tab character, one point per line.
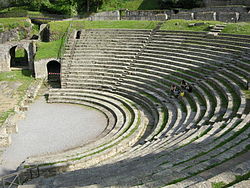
209	3
11	35
111	15
225	14
40	67
5	56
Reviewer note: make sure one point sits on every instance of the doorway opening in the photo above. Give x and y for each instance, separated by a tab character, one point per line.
54	74
19	58
78	34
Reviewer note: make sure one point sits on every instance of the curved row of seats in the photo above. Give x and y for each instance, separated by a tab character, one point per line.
128	74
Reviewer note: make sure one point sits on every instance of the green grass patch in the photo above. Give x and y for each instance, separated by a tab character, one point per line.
12	23
48	49
182	25
241	28
20	52
218	184
247	93
5	115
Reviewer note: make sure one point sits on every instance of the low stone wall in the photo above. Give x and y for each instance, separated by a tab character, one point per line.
225	14
111	15
244	17
210	3
144	15
210	16
183	15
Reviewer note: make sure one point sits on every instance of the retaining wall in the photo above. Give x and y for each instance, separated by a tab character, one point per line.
224	14
40	67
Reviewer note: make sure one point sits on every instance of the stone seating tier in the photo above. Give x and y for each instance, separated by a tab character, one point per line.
155	139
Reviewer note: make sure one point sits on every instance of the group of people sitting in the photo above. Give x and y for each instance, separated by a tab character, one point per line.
181	92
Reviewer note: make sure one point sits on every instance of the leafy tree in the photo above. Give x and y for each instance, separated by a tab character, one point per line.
187	4
88	5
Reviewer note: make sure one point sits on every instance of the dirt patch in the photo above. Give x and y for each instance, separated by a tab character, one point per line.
8	95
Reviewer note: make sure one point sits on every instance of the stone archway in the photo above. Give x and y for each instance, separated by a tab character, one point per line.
8	55
54	73
19	57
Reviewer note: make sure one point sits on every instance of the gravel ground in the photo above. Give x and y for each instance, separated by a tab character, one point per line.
50	128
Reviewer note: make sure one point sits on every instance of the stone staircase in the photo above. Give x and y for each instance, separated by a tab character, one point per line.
154	139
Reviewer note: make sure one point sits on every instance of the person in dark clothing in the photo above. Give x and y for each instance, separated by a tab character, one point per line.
175	91
186	86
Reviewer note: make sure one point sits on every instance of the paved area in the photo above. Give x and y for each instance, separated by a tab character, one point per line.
50	128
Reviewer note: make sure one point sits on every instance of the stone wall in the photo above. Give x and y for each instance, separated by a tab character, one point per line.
244	17
225	14
40	67
210	16
144	15
44	33
5	57
11	35
110	15
211	3
183	15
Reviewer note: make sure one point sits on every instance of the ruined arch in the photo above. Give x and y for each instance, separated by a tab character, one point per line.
18	57
8	54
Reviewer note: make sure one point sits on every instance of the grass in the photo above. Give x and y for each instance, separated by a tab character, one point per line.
5	115
247	93
241	28
182	25
20	52
48	49
218	184
12	23
130	4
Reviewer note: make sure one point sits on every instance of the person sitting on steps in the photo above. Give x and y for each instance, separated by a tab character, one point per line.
175	91
186	86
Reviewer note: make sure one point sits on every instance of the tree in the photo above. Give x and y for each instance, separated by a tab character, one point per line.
186	4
